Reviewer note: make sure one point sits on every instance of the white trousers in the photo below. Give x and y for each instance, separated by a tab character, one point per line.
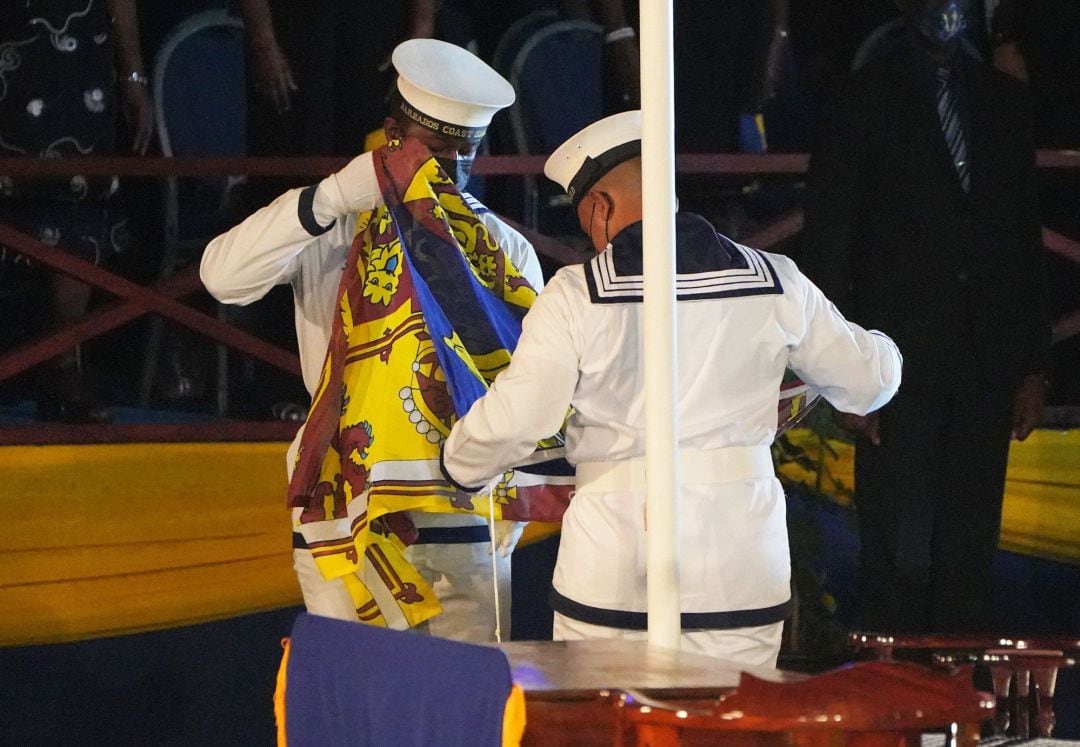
460	574
752	647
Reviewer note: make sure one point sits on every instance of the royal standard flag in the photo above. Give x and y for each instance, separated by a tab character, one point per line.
430	310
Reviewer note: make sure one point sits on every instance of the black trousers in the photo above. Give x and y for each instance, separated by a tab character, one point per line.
929	505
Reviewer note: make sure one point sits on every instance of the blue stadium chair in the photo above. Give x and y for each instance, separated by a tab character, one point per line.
200	109
501	134
557	71
509	44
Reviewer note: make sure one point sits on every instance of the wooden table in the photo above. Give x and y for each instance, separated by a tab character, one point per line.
1032	662
571	686
576	694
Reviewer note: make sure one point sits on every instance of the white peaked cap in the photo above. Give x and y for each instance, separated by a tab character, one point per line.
449	85
581	161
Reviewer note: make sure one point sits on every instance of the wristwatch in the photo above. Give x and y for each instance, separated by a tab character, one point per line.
139	78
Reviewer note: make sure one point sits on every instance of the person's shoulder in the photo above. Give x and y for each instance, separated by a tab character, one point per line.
568	283
784	265
1001	83
476	206
786	273
569	278
502	230
798	288
565	295
884	72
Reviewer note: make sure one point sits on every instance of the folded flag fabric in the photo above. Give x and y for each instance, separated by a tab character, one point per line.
430	310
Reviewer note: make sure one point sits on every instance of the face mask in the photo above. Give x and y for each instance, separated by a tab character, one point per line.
457	169
944	25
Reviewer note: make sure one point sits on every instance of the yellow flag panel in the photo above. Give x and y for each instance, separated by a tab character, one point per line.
112	539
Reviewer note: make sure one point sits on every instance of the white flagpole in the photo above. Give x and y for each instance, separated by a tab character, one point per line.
661	414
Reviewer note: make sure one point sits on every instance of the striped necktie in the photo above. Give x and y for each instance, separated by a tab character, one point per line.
951	126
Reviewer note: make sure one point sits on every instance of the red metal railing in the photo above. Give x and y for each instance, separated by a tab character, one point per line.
134	300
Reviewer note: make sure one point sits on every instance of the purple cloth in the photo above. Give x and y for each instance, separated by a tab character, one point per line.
350	684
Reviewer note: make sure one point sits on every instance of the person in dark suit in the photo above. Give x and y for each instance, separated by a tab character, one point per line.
922	221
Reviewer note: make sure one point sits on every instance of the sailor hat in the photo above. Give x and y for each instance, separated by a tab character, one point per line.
581	161
448	89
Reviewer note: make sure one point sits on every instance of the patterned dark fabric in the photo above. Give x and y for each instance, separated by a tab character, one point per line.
707	265
58	99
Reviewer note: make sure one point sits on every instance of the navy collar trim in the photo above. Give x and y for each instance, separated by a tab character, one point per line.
707	265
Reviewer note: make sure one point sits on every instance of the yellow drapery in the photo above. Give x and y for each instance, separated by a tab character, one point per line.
114	539
1041	515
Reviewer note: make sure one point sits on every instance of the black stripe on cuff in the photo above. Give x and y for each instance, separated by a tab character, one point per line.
690	620
306	213
451	480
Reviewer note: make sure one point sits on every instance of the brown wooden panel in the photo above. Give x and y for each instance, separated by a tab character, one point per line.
150	300
93	324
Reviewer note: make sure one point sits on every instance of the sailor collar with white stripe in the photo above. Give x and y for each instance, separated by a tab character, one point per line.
707	265
474	204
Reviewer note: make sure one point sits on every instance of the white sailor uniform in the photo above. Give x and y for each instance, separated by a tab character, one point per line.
289	242
743	316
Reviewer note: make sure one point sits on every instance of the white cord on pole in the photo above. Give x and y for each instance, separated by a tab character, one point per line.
494	560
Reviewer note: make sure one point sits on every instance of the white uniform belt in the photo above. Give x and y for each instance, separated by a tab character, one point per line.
729	464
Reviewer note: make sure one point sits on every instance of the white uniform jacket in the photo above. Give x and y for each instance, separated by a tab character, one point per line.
743	317
282	243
